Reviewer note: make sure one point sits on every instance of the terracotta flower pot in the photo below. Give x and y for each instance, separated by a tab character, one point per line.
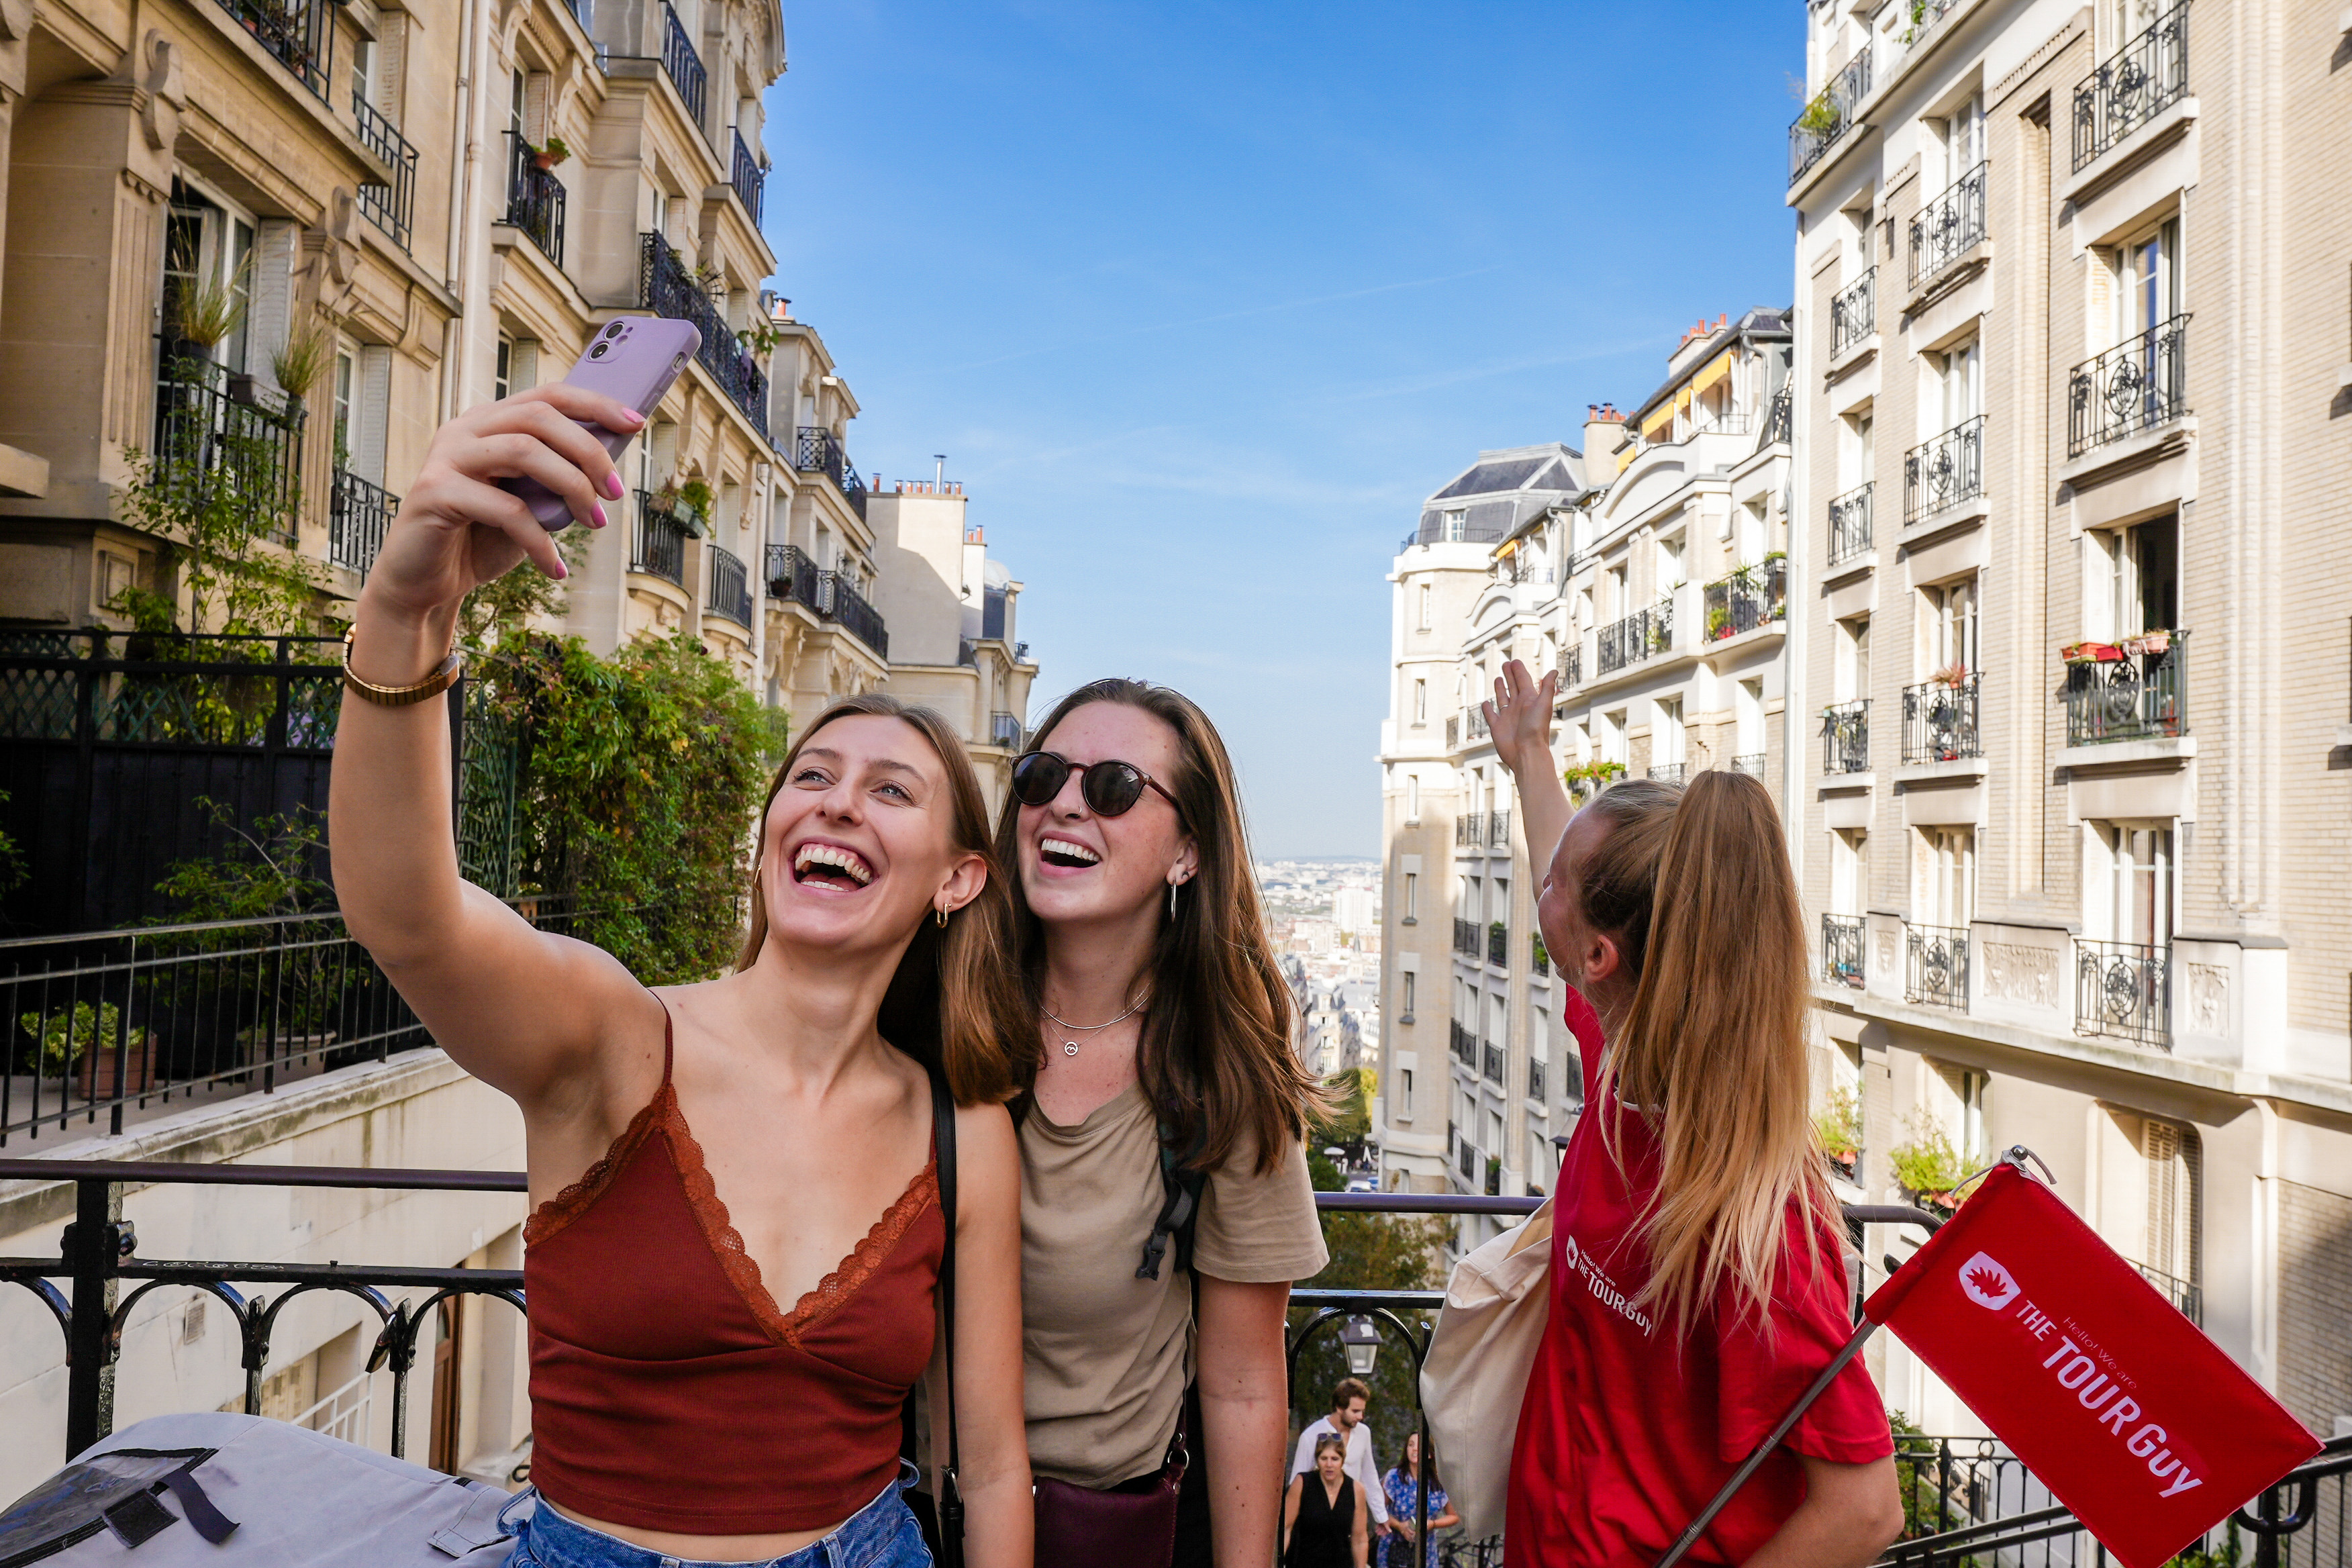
98	1070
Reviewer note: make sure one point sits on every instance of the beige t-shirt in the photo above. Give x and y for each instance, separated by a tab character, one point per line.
1108	1355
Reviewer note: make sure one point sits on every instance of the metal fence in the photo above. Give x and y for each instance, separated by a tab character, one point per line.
819	451
298	33
2133	85
2138	385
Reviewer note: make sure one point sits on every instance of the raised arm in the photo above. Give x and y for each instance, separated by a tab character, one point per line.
1000	1509
1520	718
517	1007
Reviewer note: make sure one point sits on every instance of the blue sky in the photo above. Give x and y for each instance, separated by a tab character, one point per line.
1201	300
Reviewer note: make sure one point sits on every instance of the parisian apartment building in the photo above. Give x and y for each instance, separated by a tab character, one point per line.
447	200
2069	665
1648	570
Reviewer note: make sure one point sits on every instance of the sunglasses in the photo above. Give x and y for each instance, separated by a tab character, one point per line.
1109	788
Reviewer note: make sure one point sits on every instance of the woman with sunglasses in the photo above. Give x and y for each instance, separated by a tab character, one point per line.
1165	1202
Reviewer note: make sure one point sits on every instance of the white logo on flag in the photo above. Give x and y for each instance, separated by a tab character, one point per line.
1988	1284
1567	1251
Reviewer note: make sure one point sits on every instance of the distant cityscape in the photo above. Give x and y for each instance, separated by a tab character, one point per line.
1325	918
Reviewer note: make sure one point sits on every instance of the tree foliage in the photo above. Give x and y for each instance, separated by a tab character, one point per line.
225	514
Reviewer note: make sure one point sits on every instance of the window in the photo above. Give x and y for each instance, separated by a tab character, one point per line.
1421	701
1457	524
364	72
1961	385
2144	576
1412	798
1748	719
502	378
1666	734
1619	593
2150	1176
1852	673
1945	876
2148	282
2134	885
1947	626
1409	978
1964	138
1411	911
1849	870
1404	1083
206	248
345	378
1423	596
1955	1106
1854	452
1670	564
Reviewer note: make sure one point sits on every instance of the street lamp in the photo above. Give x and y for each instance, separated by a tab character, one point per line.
1361	1340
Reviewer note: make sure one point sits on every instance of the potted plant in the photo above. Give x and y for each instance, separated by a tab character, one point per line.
85	1037
696	495
1838	1124
204	311
1928	1169
1954	674
549	154
298	364
2147	644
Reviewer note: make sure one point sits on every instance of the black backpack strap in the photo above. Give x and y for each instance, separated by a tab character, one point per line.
944	1146
1181	1182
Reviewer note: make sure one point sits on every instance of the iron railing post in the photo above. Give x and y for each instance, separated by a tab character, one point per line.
94	1248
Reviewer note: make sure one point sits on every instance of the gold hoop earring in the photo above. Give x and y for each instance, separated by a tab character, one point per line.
940	914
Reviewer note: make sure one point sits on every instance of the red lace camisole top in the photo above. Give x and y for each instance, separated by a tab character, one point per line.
667	1390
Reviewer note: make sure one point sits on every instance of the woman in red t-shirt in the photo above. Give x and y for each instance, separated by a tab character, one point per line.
1698	1282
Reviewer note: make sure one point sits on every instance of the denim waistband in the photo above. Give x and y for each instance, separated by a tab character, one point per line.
550	1540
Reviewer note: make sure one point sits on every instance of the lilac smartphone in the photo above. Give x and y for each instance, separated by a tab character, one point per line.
632	361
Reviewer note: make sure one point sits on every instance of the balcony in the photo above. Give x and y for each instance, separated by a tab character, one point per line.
1841	950
298	33
1845	737
1850	524
681	64
223	437
358	513
392	207
1939	720
535	199
665	287
1492	1063
791	574
1535	1080
1465	937
816	450
748	178
1749	763
1572	669
659	545
1466	1161
1941	473
1470	830
1939	971
1004	731
1853	313
1667	773
2137	385
2123	991
1950	227
2186	1298
1637	636
840	601
730	586
1452	733
1498	829
1462	1043
1751	597
1828	117
2132	87
1498	945
2137	691
1538	955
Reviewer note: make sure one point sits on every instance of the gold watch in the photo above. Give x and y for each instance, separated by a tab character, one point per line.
434	684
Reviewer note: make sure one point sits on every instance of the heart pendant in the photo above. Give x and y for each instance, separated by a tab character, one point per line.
1069	1048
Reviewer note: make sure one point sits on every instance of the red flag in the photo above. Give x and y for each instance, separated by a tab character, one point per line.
2135	1421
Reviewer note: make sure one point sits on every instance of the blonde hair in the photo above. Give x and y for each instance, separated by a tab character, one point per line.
1333	1441
1695	886
951	984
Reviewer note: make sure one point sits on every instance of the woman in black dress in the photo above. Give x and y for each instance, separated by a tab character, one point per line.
1326	1522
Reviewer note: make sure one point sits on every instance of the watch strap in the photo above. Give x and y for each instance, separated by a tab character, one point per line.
443	675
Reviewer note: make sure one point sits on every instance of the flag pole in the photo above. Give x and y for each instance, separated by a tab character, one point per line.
1748	1467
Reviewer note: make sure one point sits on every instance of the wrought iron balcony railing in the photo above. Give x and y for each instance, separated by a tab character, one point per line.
830	595
1850	524
1828	117
1941	473
224	436
358	513
1498	945
819	451
1841	950
681	64
1845	737
730	586
658	544
1470	830
859	618
300	34
1938	974
1465	937
748	178
1538	955
1004	730
2141	695
2133	85
392	207
1535	1080
2137	385
791	574
535	199
1947	226
2123	991
1853	312
1492	1063
667	289
1462	1043
1572	669
1939	720
1749	763
1750	598
1668	772
1498	828
1637	636
2190	1302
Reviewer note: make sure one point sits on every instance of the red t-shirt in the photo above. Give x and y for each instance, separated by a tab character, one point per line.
1626	1432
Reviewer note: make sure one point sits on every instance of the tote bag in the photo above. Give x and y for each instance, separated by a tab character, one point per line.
1476	1370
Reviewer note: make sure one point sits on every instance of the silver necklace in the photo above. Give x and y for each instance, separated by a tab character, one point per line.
1070	1047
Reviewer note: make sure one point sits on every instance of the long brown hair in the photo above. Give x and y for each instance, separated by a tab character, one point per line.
951	986
1215	1057
1695	886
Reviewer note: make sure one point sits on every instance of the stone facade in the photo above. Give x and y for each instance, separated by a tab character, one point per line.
2068	682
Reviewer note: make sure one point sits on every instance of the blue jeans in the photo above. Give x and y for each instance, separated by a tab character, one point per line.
882	1534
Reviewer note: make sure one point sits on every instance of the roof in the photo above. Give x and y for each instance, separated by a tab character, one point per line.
1503	490
1760	324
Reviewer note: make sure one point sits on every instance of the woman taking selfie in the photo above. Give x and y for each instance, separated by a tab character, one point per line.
1698	1283
732	1262
1160	1029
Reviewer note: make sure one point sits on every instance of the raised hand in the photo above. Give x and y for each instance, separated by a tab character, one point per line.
457	530
1520	718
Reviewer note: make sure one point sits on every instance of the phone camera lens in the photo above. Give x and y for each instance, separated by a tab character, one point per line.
598	352
614	331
